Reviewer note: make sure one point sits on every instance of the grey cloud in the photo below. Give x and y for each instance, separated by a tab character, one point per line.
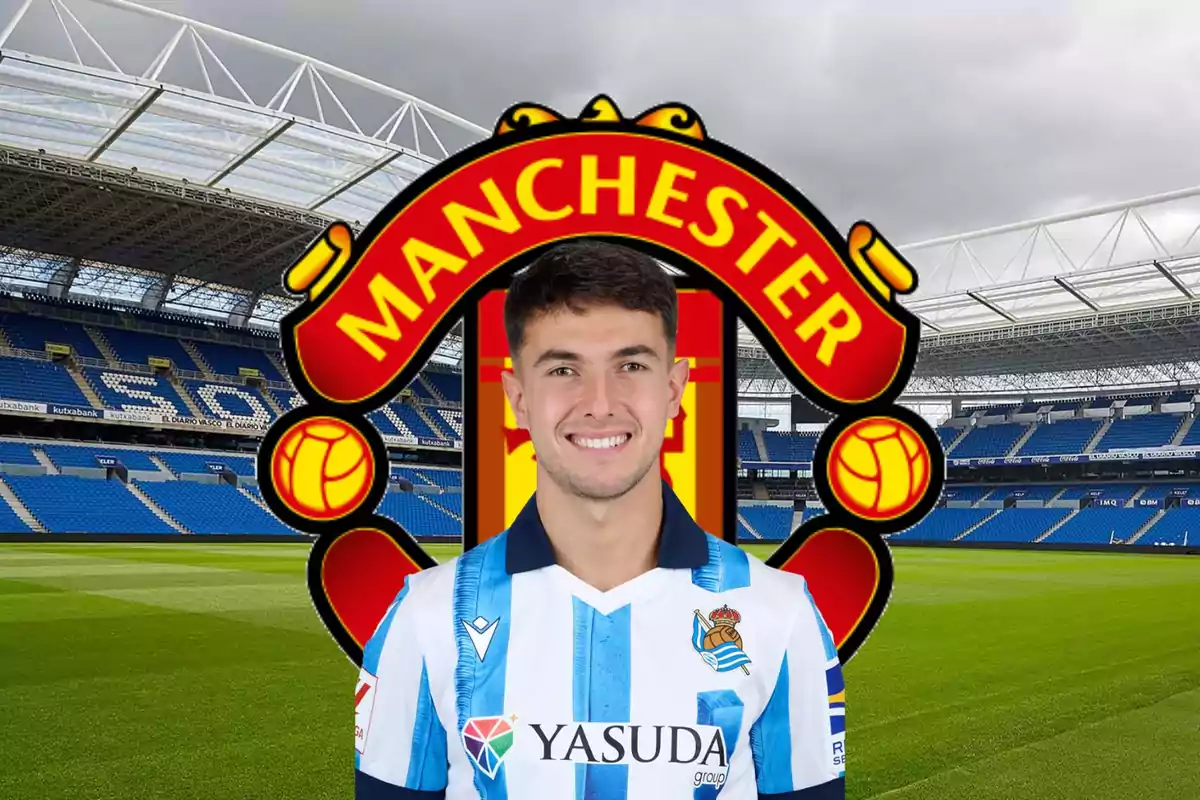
928	120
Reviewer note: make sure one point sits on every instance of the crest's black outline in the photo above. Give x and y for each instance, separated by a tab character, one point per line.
844	413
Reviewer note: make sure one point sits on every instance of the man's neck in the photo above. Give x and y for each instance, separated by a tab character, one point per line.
603	543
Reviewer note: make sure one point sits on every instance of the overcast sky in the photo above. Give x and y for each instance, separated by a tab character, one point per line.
928	121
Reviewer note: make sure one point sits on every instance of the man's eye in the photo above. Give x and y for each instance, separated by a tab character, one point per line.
633	366
561	372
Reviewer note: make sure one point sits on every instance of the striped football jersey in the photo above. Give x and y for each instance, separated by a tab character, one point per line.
501	675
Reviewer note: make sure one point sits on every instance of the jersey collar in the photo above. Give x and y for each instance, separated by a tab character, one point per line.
683	543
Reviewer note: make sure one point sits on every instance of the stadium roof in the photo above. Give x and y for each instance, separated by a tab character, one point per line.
181	173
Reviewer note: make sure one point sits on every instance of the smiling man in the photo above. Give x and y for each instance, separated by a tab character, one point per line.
604	647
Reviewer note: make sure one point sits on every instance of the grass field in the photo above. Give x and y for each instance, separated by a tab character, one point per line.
201	671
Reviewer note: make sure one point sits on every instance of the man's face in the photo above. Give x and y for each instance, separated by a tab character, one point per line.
595	391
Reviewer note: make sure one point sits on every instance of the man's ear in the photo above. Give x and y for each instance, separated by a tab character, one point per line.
516	397
677	378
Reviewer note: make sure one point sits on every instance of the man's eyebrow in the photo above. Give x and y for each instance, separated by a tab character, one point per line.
557	355
636	350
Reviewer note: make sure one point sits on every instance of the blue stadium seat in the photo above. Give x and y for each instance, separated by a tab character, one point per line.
448	501
448	386
773	523
1097	525
448	420
10	522
29	332
1192	438
1147	430
17	453
66	455
947	435
1172	527
990	441
1017	525
129	391
38	382
1112	491
226	359
418	517
136	347
409	417
969	494
744	534
212	508
446	478
1161	491
234	401
790	446
1065	437
181	462
1037	491
69	504
747	449
944	524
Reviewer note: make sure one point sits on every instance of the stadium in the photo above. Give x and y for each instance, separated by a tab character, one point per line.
1043	624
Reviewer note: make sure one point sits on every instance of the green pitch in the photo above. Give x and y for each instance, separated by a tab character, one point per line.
131	672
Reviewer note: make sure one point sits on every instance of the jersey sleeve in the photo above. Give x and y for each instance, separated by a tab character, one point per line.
799	740
400	743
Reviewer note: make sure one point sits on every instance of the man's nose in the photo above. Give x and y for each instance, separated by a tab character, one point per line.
598	396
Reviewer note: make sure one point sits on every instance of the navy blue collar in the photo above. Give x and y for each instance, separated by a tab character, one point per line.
682	544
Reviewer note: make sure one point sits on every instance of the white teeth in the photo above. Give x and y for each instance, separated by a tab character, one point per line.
608	442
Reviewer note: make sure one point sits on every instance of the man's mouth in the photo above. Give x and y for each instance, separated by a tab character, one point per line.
611	442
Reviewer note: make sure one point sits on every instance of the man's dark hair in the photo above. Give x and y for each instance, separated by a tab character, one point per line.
582	274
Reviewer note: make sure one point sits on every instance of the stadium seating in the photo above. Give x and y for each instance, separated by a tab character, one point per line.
65	455
38	382
446	478
70	504
409	416
17	453
418	517
945	524
790	447
137	347
1147	430
128	391
226	359
31	333
448	422
1043	491
947	436
1017	525
1097	525
1111	491
968	494
10	522
1173	527
989	441
747	449
212	508
1068	436
773	523
226	401
448	501
181	462
446	385
1192	438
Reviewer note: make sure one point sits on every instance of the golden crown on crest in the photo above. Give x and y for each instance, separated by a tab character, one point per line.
674	117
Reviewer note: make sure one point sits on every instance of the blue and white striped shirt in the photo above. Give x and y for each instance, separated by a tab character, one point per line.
501	675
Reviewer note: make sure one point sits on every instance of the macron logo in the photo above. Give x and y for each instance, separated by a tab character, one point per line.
481	632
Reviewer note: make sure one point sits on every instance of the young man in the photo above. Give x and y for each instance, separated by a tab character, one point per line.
604	646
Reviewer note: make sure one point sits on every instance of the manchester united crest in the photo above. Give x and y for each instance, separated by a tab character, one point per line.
717	640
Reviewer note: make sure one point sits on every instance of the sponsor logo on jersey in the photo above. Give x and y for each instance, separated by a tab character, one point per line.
718	641
364	705
488	740
699	747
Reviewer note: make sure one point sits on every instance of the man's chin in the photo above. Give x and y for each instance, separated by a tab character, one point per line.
593	488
